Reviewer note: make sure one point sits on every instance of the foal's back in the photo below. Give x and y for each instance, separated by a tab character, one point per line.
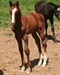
32	21
44	8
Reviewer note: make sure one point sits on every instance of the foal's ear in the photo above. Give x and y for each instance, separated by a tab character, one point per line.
17	3
10	3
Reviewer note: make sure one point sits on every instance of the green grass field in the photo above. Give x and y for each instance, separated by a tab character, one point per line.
26	6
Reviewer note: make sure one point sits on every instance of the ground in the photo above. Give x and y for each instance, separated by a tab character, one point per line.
10	60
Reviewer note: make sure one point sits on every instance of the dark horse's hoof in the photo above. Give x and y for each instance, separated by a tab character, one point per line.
55	40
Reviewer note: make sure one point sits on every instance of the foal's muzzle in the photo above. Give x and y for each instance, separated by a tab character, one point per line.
13	24
58	17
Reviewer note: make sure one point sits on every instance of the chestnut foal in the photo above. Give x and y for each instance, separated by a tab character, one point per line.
24	25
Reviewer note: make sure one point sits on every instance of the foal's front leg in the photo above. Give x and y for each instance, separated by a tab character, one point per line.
27	52
19	40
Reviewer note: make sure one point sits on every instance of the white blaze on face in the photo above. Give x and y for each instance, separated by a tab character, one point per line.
13	15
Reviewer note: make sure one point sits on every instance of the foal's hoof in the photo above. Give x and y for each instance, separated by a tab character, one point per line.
43	65
40	63
28	70
23	69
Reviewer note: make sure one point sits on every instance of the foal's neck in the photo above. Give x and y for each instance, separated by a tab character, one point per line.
18	20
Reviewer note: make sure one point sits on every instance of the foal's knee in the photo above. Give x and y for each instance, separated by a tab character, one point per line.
27	52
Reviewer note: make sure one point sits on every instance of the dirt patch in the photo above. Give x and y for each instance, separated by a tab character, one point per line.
10	61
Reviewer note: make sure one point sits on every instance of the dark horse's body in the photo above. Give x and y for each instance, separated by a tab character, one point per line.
24	25
48	10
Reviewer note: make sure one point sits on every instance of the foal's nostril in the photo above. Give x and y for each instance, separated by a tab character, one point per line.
13	24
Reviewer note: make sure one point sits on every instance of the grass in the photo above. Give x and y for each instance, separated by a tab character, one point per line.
54	1
26	6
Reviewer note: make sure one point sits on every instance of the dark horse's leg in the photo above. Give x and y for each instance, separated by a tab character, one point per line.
46	26
19	40
27	52
37	40
52	28
44	45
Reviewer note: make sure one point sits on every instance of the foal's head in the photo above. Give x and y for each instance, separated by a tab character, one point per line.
57	13
15	12
56	9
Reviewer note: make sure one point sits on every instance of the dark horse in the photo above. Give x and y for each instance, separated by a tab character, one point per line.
48	10
24	25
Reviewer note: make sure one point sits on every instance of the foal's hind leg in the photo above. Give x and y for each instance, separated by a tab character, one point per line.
44	45
46	27
37	40
27	52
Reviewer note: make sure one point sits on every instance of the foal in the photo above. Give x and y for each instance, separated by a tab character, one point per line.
48	10
24	25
